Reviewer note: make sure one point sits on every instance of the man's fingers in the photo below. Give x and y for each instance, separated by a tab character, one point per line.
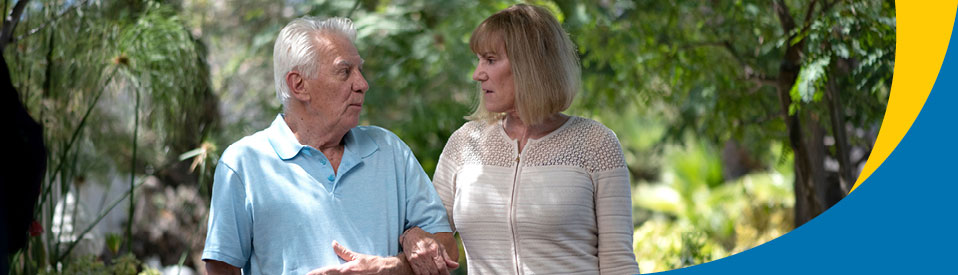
325	271
342	252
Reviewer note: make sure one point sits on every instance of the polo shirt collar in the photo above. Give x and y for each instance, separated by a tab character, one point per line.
287	146
359	143
282	139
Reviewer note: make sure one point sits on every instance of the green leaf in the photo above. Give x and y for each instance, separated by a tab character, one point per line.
840	50
113	241
810	79
191	153
798	38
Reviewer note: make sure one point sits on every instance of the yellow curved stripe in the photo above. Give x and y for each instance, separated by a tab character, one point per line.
924	28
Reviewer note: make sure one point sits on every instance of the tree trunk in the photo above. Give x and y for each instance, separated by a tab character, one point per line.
846	177
6	34
20	180
807	205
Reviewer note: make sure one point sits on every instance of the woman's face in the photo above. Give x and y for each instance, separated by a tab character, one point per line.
495	77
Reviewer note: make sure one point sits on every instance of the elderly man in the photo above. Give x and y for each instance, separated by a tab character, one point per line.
291	198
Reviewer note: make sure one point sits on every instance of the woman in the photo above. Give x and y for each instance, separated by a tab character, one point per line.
529	189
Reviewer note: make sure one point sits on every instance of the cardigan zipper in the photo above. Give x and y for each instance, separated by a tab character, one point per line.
512	213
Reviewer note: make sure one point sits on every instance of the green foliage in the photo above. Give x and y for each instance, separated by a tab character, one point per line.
694	222
77	68
90	265
858	38
710	68
204	158
167	63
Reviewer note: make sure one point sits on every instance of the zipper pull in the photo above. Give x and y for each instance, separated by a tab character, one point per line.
517	158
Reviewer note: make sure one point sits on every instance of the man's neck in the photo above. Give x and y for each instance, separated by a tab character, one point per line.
315	133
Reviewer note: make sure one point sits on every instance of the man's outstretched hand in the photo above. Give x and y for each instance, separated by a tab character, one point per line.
358	263
428	257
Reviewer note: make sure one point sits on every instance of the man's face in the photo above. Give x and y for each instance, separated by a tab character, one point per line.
338	88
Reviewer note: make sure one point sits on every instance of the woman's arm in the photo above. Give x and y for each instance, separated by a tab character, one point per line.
444	180
613	207
613	210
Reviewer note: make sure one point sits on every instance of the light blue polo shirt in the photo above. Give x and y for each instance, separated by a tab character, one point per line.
277	206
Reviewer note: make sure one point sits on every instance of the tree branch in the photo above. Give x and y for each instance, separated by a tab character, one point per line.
49	22
808	13
837	117
784	16
811	10
725	44
353	9
760	79
10	25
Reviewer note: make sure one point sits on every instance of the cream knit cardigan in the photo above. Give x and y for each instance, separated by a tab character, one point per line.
562	206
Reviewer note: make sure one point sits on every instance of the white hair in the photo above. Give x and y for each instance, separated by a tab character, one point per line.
295	49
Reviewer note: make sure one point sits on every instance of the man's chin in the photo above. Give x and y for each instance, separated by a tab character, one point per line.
351	121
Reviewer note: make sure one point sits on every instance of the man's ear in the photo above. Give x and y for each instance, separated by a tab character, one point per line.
297	86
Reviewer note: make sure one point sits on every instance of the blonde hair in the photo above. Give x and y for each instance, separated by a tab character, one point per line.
544	61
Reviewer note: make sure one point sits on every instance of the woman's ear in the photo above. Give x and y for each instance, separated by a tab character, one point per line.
297	86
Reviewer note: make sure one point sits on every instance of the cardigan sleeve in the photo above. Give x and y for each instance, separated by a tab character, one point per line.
613	210
444	180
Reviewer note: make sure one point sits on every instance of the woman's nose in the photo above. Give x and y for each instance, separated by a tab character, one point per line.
479	75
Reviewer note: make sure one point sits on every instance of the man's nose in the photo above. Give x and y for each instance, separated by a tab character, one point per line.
360	85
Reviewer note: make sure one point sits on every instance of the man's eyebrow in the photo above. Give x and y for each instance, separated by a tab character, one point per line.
345	63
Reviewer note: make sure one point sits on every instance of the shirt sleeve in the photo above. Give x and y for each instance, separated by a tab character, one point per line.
423	206
229	233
